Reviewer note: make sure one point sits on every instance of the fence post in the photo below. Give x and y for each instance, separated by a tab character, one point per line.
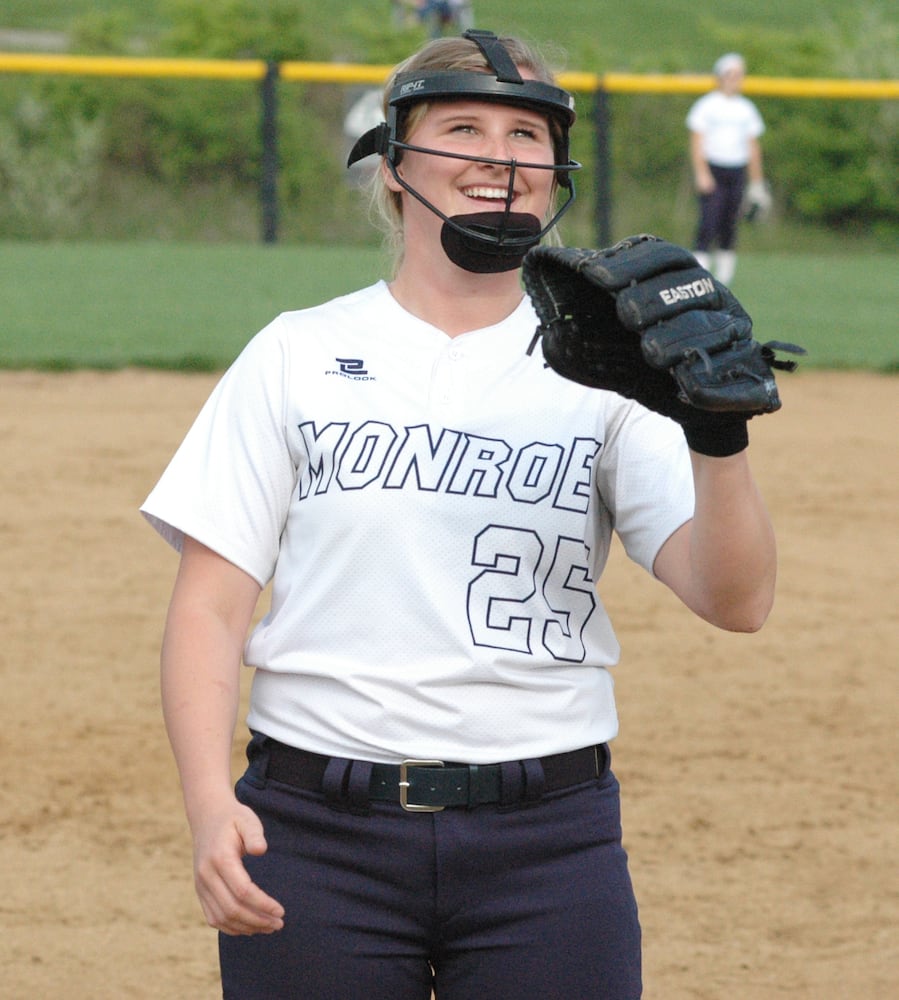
602	127
268	187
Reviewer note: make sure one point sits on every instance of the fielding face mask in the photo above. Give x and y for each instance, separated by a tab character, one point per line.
482	242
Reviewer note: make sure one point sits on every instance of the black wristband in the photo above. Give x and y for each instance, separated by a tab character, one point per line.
717	435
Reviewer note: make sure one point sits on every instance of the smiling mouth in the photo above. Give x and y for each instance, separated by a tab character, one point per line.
483	193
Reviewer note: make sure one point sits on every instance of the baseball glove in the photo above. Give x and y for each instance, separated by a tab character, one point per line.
646	321
757	202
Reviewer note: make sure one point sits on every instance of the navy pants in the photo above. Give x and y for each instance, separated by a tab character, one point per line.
719	212
529	902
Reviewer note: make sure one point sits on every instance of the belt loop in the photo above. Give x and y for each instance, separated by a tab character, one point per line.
474	786
334	782
603	759
511	783
257	760
358	783
534	780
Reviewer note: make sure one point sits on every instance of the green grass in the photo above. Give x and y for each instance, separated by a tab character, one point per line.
51	15
640	34
841	309
110	305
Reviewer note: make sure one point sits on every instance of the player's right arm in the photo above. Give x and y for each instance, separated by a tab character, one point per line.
210	611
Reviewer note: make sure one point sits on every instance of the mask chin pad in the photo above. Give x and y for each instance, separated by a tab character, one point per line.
489	242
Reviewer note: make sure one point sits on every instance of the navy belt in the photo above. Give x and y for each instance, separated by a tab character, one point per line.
420	785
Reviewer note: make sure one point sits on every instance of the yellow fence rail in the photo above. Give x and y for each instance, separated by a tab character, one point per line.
599	85
350	73
126	66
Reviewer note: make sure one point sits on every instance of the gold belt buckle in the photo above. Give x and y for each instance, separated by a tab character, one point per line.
404	785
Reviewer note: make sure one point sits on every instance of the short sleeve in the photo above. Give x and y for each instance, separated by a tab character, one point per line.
645	478
230	482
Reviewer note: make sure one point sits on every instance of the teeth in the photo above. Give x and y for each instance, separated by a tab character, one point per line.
486	192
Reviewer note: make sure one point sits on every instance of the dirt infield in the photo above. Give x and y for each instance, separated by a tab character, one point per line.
759	772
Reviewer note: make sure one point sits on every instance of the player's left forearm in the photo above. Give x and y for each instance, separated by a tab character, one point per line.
755	166
733	554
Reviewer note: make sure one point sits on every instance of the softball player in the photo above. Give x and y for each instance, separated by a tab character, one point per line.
429	802
724	146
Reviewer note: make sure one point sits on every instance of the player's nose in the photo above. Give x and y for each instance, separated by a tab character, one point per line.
497	146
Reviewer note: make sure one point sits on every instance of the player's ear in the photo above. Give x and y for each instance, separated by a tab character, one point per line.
390	182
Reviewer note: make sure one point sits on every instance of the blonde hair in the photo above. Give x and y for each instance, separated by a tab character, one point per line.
443	54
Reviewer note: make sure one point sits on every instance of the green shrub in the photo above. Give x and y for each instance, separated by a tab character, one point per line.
831	163
236	29
49	171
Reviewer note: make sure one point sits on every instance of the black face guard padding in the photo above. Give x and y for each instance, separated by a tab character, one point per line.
484	242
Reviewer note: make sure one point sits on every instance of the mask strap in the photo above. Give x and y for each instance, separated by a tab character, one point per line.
496	55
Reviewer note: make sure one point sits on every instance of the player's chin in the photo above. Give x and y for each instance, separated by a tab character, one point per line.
471	206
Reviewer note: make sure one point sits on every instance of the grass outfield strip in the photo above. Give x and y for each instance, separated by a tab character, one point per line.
183	306
158	304
841	309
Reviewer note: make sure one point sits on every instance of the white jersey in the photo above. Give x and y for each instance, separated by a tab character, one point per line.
727	124
433	514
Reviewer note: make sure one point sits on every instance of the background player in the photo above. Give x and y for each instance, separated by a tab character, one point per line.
724	129
429	801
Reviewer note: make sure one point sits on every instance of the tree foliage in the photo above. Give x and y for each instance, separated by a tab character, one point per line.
831	163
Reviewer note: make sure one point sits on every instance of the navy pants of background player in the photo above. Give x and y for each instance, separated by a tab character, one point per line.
719	212
528	902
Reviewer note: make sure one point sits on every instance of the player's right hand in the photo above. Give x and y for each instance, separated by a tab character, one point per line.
231	901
